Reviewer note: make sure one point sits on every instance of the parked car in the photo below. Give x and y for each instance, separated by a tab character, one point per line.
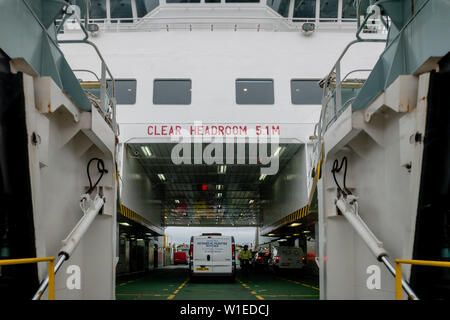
261	259
180	257
284	257
212	254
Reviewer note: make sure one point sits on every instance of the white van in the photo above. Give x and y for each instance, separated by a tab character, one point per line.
287	258
212	254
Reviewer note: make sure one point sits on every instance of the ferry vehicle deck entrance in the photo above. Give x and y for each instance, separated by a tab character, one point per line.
132	117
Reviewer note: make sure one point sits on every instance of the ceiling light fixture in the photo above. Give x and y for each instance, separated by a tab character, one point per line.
126	224
222	169
161	177
295	224
262	177
146	151
278	152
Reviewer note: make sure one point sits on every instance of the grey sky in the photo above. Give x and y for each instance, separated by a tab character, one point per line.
178	235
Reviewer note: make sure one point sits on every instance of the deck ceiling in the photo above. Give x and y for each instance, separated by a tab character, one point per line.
185	202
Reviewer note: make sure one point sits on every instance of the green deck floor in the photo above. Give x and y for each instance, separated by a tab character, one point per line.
173	283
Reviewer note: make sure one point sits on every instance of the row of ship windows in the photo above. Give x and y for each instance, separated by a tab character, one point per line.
120	9
248	91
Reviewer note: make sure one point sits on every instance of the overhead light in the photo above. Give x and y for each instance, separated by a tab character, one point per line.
251	201
222	169
146	151
245	89
140	239
219	186
126	224
296	234
219	195
278	152
271	234
288	236
262	177
219	206
280	240
161	177
295	224
148	233
177	201
165	217
306	231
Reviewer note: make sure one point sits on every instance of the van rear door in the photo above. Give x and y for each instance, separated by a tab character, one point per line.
203	254
222	258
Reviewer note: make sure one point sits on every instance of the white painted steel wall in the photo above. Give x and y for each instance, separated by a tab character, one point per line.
378	151
214	60
288	192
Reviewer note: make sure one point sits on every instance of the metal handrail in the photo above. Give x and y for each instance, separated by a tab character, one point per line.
336	72
88	71
398	271
51	270
104	69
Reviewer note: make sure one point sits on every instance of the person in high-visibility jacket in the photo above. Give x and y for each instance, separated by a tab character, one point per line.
244	257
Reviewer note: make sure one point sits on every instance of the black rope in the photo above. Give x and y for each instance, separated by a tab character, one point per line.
100	168
337	168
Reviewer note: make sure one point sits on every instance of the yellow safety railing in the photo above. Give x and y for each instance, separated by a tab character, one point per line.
51	270
398	271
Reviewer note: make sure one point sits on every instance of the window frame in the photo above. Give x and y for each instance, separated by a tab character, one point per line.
115	89
254	79
172	104
303	79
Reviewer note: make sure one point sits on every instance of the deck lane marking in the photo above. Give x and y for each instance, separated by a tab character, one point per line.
177	290
142	294
252	292
299	283
290	295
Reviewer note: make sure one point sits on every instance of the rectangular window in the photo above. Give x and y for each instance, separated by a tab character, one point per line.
97	9
306	92
328	9
241	1
349	8
145	6
304	9
182	1
254	91
121	9
280	6
125	90
172	91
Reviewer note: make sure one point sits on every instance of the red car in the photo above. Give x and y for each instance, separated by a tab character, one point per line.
180	257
